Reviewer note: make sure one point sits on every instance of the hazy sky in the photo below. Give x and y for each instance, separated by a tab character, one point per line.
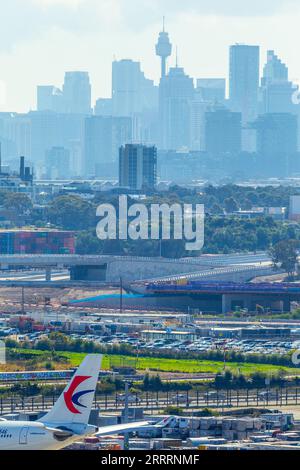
41	39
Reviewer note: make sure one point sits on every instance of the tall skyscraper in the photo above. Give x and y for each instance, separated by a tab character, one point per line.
244	80
274	70
163	49
198	109
132	92
77	93
103	136
137	167
276	92
176	93
209	92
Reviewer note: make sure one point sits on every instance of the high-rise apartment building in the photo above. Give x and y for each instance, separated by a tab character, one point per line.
137	167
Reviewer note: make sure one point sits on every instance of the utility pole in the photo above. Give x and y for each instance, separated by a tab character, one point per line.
23	300
224	351
126	416
121	295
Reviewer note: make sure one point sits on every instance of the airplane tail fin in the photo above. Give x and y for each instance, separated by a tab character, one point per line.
72	409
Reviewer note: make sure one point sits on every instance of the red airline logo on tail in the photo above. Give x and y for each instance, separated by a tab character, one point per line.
72	398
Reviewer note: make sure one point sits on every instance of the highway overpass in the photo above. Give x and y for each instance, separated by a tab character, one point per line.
109	268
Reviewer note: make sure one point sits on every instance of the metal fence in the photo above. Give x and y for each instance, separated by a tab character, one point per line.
159	401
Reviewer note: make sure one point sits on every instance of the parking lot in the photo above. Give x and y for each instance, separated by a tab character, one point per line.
246	346
199	344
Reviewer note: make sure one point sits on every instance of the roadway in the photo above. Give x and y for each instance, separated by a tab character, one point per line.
75	260
34	276
251	270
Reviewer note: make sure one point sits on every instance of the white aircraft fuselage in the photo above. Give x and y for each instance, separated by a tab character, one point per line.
26	435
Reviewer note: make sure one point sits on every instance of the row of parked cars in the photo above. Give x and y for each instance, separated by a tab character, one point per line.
202	344
210	344
110	340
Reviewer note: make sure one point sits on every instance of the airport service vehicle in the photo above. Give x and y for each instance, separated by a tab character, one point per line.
68	419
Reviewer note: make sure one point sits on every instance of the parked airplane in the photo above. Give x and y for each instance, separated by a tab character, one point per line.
68	419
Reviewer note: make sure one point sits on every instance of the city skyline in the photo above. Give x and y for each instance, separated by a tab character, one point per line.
93	33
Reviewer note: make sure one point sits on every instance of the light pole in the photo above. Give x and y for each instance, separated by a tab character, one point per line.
121	295
126	416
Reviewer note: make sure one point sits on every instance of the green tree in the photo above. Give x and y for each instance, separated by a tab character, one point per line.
87	243
285	255
18	202
72	213
231	205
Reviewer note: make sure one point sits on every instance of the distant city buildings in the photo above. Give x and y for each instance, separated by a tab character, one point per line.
212	90
277	143
74	98
48	129
103	136
276	90
57	163
50	98
26	174
132	92
176	93
276	134
244	80
137	167
103	107
77	93
196	127
227	126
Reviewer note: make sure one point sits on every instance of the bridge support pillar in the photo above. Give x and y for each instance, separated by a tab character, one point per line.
231	303
225	303
286	305
48	274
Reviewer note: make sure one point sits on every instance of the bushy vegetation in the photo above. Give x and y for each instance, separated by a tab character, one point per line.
223	234
155	384
231	381
173	410
58	343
